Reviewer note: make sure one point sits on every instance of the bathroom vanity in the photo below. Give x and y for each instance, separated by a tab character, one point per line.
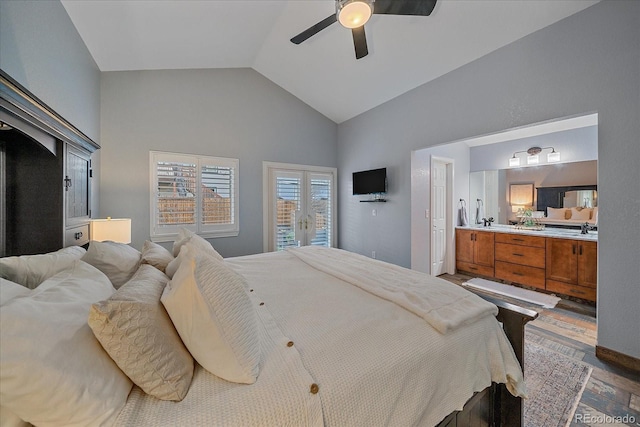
559	261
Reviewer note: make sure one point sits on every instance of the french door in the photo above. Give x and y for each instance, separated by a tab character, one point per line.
299	207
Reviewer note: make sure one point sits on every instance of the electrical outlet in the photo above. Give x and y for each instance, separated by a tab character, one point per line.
373	254
426	213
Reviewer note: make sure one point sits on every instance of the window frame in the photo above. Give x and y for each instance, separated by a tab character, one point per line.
167	233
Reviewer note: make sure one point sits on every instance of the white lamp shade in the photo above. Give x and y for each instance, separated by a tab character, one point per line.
114	230
514	161
554	156
533	160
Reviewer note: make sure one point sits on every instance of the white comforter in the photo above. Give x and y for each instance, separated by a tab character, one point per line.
373	361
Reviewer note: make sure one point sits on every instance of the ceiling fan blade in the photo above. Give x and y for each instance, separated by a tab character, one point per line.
404	7
360	42
314	29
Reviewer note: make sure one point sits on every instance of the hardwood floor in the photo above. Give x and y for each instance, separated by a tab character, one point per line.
612	394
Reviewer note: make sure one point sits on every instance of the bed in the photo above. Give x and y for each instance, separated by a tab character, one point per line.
573	217
311	336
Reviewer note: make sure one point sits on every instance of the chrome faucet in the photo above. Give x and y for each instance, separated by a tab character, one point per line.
487	222
584	228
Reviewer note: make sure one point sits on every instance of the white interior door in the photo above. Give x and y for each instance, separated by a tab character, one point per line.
438	217
301	207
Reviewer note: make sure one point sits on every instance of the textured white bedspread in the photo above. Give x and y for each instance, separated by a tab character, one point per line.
374	362
443	306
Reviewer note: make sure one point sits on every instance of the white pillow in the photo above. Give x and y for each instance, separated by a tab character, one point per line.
31	270
187	251
117	260
53	371
9	419
582	215
135	329
209	306
556	213
10	290
187	236
156	255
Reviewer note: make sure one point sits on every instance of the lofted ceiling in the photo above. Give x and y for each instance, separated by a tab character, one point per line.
404	51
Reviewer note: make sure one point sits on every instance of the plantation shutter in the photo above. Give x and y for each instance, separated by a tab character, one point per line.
199	193
320	192
288	193
218	195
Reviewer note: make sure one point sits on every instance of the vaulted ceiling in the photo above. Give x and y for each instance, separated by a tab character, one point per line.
404	51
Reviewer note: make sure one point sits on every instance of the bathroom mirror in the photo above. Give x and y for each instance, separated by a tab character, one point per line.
494	189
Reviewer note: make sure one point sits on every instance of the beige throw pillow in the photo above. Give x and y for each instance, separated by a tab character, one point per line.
134	328
209	306
156	255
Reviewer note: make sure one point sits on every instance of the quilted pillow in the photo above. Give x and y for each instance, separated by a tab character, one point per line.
209	306
31	270
116	260
135	329
54	371
187	236
156	255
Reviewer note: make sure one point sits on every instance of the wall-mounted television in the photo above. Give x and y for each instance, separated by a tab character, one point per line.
370	182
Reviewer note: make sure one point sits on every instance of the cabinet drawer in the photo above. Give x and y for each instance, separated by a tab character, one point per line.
475	269
520	239
572	290
77	236
516	254
522	274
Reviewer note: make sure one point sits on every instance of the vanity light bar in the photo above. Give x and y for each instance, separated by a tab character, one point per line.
533	157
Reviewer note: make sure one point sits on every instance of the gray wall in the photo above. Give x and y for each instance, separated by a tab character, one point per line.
233	113
41	49
574	145
588	62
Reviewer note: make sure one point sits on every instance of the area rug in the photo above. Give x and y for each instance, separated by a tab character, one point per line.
554	386
537	298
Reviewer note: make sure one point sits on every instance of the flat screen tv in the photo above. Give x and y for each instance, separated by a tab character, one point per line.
370	182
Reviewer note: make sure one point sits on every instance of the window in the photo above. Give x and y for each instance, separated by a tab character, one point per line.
199	193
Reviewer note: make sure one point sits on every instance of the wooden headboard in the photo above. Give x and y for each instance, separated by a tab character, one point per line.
552	196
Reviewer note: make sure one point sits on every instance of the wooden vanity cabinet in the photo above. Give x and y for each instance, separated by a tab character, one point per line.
475	251
572	267
520	259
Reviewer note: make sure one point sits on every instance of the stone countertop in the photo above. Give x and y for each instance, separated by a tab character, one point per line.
560	233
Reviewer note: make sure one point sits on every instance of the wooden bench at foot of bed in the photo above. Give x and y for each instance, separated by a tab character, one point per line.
495	406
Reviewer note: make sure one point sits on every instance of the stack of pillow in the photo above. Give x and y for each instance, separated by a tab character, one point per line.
574	213
150	314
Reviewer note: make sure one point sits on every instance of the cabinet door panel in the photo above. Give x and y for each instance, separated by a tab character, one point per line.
562	260
464	246
588	264
484	248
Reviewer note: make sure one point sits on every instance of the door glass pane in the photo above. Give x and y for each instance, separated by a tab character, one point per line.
321	209
287	203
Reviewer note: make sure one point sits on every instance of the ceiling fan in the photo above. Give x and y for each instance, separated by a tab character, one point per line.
354	14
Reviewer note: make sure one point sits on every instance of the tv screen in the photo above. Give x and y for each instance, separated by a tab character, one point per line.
371	181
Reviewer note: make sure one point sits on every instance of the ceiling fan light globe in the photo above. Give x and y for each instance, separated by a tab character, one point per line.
354	13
